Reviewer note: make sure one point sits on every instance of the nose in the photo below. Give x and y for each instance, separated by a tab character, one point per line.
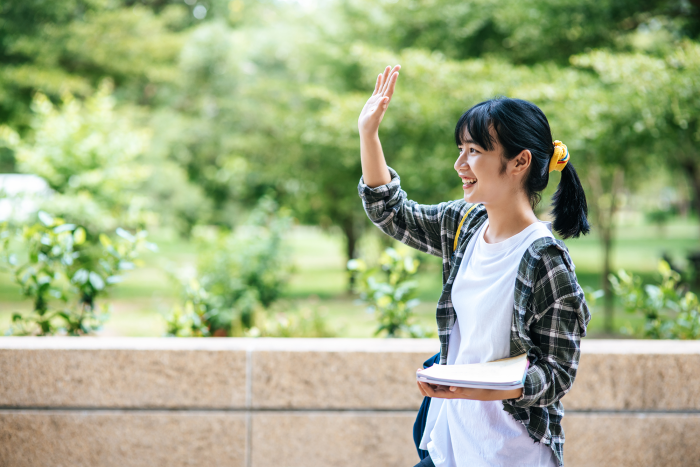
461	162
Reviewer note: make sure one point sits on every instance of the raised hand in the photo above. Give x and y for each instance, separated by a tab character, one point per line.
373	111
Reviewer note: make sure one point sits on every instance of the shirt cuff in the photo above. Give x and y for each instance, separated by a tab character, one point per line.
522	395
379	192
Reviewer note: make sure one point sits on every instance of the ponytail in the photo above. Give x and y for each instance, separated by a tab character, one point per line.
569	206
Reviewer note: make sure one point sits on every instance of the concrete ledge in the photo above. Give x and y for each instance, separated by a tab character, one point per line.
636	382
122	378
116	439
238	373
338	439
343	380
31	438
632	440
427	346
247	402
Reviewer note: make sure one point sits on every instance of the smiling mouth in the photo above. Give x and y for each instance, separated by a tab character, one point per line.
467	182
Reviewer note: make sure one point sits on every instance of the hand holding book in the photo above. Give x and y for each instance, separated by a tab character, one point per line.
454	392
497	380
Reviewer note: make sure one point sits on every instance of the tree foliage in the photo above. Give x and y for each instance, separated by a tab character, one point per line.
261	98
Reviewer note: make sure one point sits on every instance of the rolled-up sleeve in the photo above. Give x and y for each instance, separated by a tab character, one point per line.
559	319
413	224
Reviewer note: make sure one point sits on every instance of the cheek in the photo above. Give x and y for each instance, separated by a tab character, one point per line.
487	169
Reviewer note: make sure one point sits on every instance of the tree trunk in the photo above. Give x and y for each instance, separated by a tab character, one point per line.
608	299
348	227
605	209
692	171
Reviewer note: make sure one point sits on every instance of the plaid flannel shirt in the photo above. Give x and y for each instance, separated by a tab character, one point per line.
550	313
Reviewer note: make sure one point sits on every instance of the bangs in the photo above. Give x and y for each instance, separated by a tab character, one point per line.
476	121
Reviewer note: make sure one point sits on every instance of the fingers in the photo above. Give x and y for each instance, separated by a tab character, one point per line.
378	84
425	389
385	77
391	85
389	76
420	388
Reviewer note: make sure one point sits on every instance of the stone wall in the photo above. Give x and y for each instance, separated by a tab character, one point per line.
307	402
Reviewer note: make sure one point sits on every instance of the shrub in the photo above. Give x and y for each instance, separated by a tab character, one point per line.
239	274
67	268
669	311
308	322
389	291
192	318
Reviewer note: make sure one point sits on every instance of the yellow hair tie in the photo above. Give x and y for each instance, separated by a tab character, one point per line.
559	158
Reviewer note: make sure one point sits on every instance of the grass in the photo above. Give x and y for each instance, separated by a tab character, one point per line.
319	280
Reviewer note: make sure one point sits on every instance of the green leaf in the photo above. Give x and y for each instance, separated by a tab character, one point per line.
105	241
125	235
46	218
79	236
63	228
114	279
80	276
96	280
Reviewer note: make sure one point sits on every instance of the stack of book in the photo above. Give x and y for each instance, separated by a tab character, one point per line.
508	373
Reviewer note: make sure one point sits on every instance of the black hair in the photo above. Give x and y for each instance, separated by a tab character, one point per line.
521	125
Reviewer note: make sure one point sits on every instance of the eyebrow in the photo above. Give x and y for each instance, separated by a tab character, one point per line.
469	141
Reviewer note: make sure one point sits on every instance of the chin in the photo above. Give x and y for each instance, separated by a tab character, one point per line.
473	199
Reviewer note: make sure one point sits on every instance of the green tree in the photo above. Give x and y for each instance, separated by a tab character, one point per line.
640	114
71	46
520	31
97	162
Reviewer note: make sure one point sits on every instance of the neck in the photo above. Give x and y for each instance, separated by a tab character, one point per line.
508	218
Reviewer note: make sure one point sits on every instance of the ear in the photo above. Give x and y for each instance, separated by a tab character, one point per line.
520	163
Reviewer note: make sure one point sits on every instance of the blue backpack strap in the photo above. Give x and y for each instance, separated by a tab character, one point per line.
422	417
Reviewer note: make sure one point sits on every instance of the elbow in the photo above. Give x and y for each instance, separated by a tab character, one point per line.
544	386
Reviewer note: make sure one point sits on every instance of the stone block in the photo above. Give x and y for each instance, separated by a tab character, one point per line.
119	378
336	380
636	382
631	440
338	439
31	438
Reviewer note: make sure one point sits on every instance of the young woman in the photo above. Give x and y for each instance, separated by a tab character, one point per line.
508	285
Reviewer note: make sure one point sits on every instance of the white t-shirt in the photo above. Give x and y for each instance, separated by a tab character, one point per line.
463	432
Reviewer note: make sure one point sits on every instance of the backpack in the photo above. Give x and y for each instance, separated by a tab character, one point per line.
422	417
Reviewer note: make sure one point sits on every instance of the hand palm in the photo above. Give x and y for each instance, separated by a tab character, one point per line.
376	106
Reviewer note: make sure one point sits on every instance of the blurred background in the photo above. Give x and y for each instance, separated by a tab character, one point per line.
191	168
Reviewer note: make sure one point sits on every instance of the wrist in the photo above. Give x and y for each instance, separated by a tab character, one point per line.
369	135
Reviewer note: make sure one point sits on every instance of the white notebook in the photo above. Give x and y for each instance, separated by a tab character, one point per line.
507	373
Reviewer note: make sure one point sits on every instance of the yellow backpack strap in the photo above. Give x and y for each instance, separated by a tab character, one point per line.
459	229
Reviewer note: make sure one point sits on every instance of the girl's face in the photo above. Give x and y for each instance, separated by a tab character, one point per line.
482	172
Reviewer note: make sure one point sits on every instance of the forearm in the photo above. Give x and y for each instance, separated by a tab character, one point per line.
493	395
374	169
447	392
